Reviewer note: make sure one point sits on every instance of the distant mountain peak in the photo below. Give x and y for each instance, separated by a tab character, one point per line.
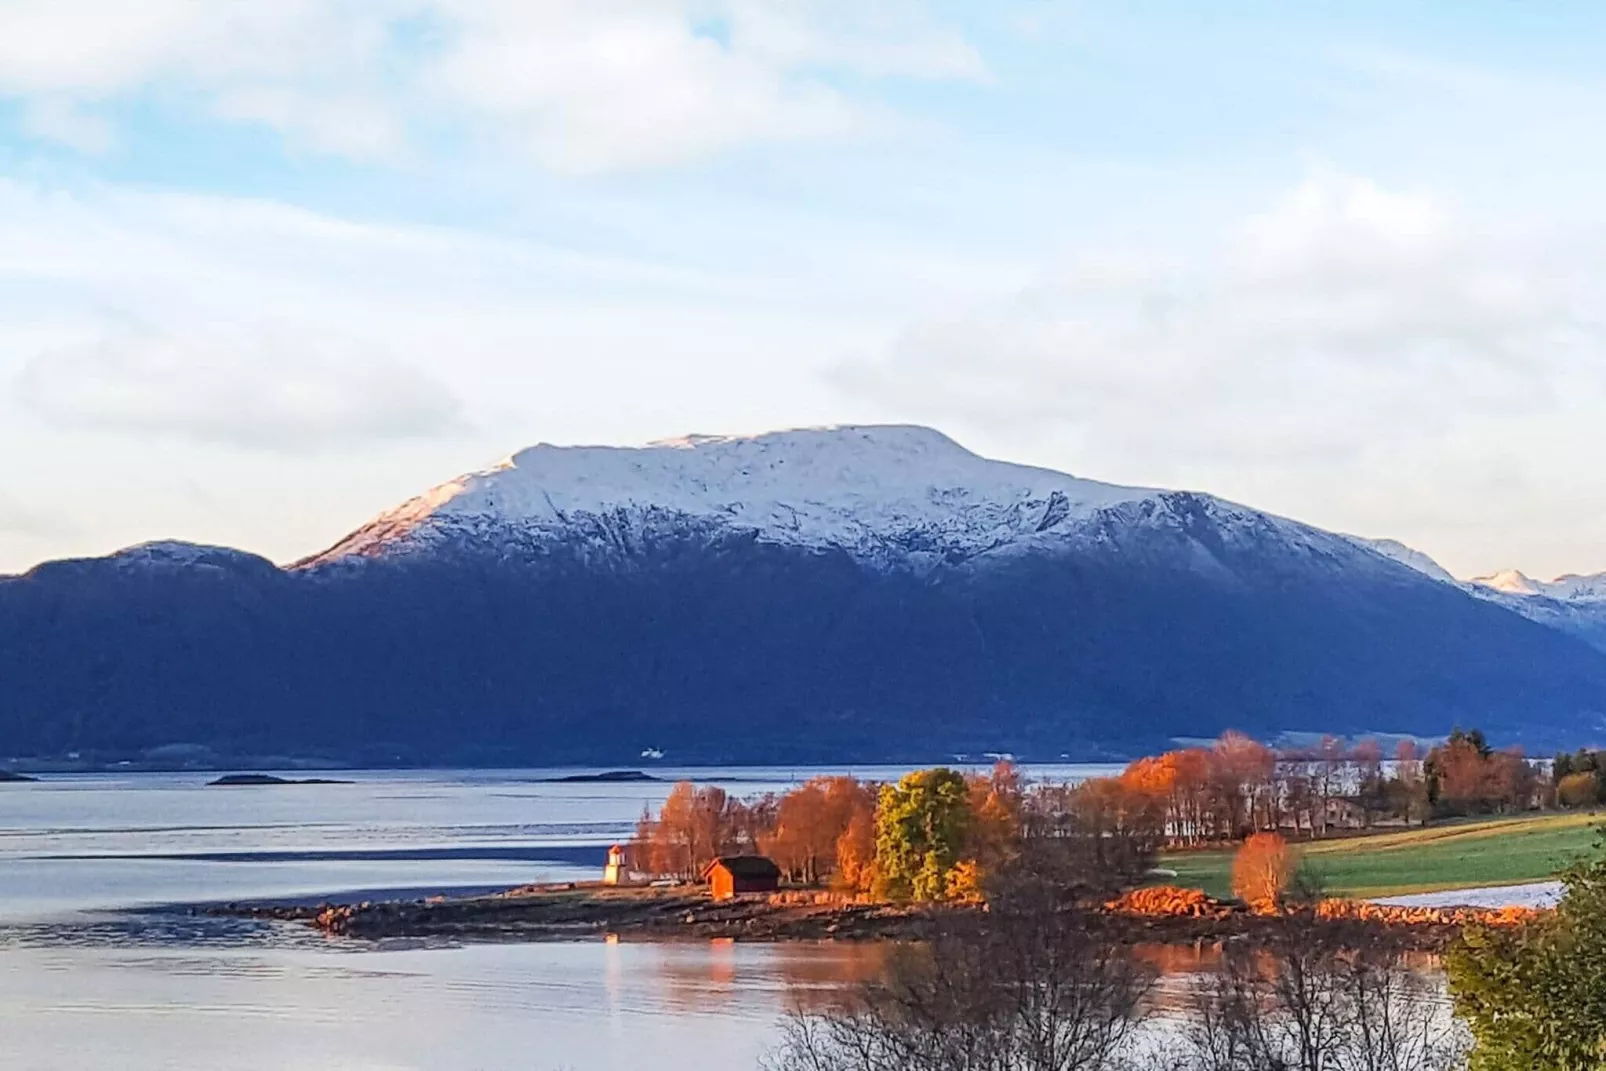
1510	582
1572	588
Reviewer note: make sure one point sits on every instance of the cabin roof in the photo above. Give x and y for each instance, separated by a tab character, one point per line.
745	866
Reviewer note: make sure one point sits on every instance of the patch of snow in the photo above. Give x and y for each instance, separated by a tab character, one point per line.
1394	550
174	554
1535	894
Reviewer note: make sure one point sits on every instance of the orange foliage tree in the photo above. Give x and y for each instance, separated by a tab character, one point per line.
997	802
693	827
811	822
1262	870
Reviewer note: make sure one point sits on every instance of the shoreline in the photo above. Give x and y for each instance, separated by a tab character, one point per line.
581	911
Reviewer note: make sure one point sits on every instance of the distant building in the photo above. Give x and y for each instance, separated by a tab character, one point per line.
614	873
1345	814
737	874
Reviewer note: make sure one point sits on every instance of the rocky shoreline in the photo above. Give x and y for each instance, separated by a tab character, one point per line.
571	912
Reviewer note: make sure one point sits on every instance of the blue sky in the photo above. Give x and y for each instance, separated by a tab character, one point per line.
266	269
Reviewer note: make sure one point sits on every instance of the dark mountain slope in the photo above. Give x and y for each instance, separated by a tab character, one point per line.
1172	615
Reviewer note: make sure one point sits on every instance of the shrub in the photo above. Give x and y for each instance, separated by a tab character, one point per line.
1578	790
1262	870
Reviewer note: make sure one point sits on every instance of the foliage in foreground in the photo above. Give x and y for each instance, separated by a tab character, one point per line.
1535	996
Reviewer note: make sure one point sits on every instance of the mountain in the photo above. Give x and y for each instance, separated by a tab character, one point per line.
1574	604
836	594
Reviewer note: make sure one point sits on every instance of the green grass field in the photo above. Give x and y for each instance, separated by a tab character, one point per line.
1460	855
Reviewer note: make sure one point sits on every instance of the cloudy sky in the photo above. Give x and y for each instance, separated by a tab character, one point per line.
268	268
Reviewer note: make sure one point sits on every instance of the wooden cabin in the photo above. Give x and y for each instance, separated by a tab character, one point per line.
734	875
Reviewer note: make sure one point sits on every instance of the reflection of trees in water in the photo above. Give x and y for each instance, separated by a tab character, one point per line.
717	975
1039	994
1297	1003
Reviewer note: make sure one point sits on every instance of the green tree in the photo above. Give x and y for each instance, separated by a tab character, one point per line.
1534	996
921	823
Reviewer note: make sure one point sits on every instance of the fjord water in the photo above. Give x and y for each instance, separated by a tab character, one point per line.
98	968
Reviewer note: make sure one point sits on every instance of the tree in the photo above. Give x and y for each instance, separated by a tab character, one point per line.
1534	995
1467	776
996	801
1242	780
856	853
694	826
1294	1001
1032	990
1262	870
1577	790
921	825
1371	786
1411	795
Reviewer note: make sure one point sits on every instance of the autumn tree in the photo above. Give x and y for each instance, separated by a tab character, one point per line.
693	827
809	820
1577	790
997	802
856	851
1242	769
921	827
1466	776
1262	870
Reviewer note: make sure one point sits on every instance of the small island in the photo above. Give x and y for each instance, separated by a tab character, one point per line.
8	777
607	777
249	780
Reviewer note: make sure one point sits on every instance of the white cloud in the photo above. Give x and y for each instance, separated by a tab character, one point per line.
1353	355
67	123
1339	305
582	85
257	390
22	522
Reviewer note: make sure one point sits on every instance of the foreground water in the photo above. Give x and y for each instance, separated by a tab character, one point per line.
97	969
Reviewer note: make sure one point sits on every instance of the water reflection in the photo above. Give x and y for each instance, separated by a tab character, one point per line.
161	990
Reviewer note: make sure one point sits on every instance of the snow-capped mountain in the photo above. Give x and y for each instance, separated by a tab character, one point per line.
1570	588
895	497
1573	604
829	594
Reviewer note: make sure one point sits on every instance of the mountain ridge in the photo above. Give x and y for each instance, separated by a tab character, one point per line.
825	595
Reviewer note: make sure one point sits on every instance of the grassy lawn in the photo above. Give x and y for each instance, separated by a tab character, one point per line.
1459	855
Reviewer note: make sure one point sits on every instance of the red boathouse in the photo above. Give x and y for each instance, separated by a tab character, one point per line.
736	874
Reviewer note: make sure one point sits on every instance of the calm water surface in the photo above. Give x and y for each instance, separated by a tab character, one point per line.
97	970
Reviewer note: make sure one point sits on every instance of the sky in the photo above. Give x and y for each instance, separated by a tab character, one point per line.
267	269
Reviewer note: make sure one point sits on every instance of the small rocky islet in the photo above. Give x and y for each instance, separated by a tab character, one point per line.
252	780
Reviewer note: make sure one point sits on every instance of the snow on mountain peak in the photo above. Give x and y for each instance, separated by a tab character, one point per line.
1394	550
850	486
1569	588
1508	581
